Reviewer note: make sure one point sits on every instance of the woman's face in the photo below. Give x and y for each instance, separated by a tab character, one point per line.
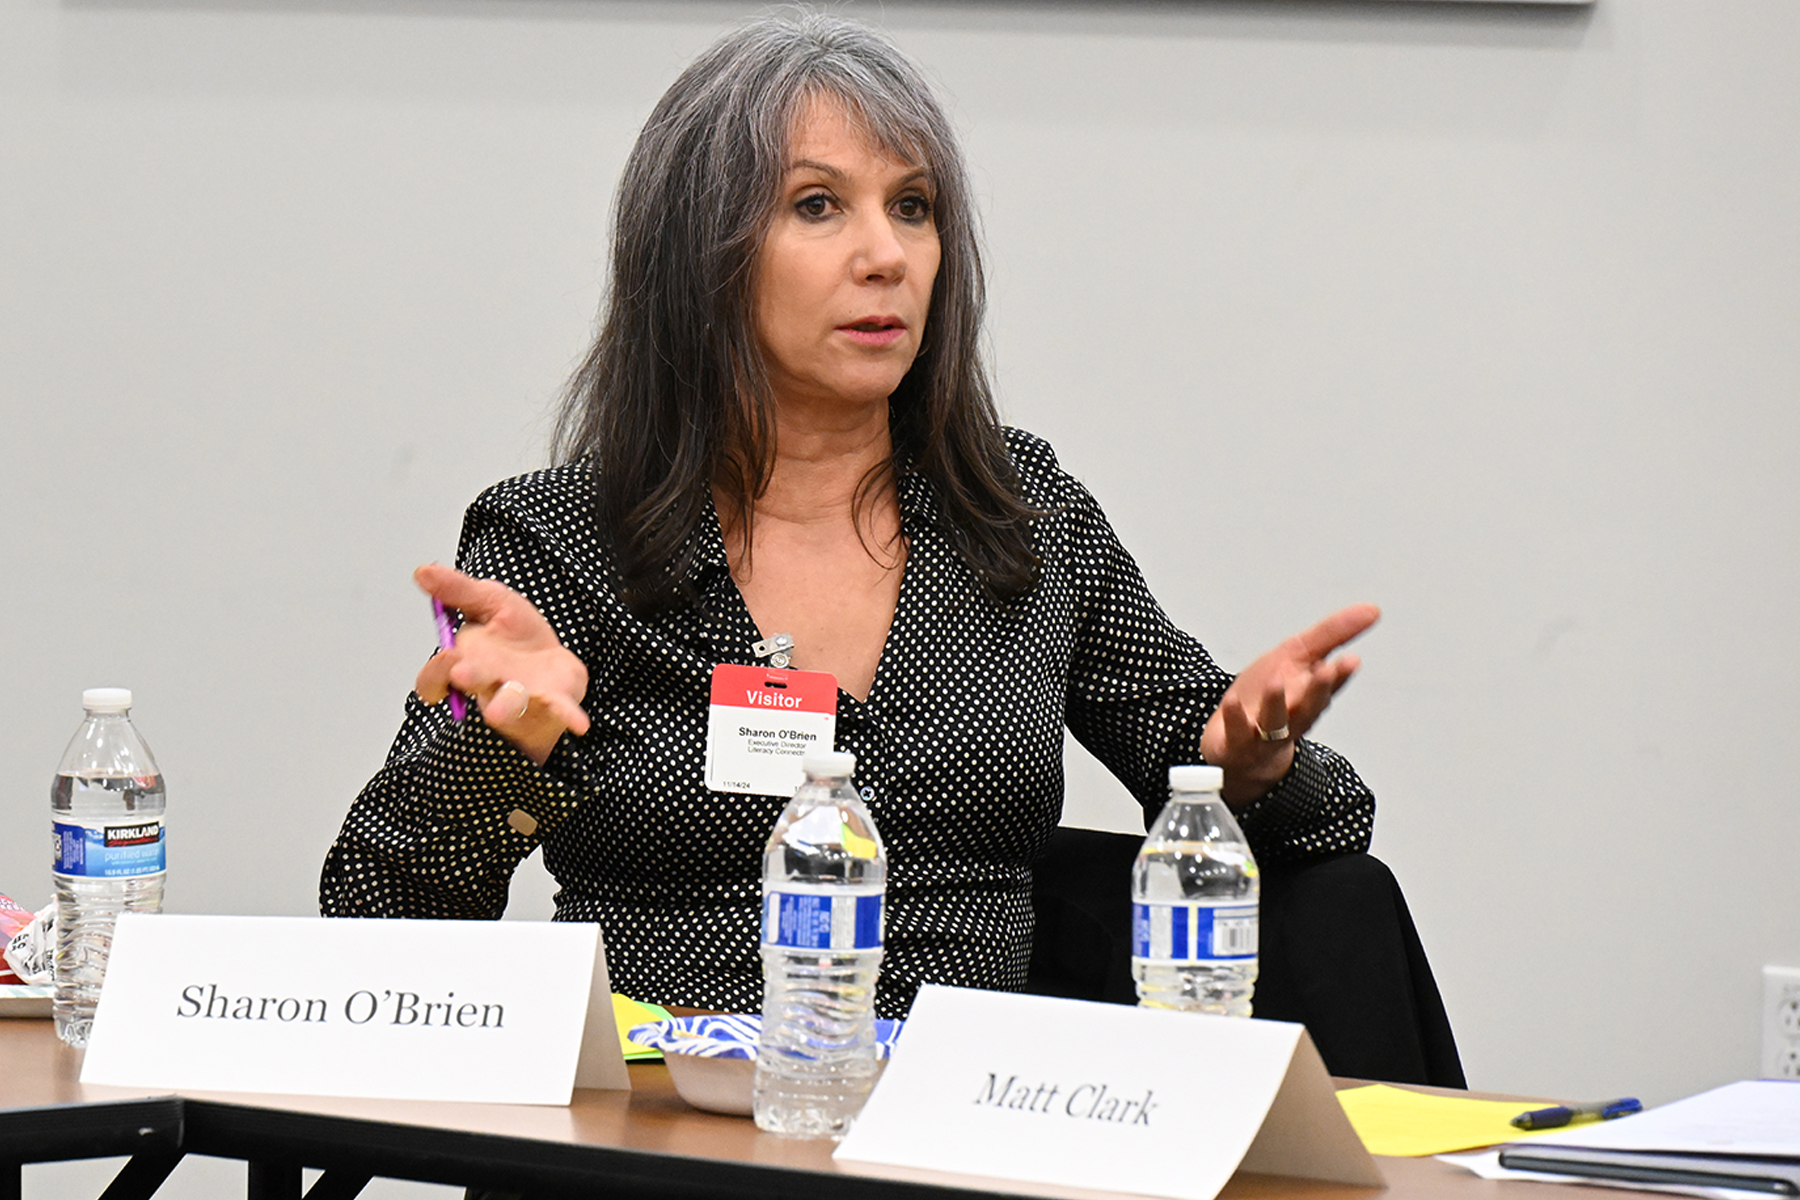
843	281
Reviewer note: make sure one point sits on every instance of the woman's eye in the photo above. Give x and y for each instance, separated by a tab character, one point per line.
815	205
912	208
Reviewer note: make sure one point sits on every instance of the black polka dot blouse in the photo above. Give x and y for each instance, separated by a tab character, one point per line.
958	751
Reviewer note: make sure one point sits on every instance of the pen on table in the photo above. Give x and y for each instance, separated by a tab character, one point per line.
447	639
1560	1115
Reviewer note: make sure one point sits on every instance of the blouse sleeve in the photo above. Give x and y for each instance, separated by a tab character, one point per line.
440	829
1140	693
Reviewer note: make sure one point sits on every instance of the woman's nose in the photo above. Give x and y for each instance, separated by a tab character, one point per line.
880	255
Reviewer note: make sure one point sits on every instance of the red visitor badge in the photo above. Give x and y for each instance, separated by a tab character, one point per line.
762	720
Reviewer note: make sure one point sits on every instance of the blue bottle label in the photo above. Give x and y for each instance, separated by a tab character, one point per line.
814	921
113	851
1193	932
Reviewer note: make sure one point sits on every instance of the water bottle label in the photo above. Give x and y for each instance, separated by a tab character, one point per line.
112	851
808	921
1192	932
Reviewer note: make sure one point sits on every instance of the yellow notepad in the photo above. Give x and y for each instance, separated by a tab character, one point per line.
1396	1121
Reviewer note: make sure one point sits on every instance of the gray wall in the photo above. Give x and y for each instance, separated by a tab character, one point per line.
1484	313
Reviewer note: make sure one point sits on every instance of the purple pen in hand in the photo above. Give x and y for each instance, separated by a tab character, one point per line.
447	639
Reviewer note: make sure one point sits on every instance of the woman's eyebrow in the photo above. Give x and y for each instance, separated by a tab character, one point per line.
812	164
832	173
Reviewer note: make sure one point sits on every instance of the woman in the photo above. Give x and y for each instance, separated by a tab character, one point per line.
784	427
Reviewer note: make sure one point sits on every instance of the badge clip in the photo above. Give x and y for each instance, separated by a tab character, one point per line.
779	650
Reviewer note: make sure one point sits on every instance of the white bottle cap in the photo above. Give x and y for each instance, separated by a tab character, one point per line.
1196	779
106	699
832	764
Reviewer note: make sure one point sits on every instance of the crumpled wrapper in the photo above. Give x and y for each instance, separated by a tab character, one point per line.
28	951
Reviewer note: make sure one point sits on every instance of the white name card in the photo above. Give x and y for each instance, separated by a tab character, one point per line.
507	1012
1034	1090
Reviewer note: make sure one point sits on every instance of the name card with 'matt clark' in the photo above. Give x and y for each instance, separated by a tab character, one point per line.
1031	1091
507	1012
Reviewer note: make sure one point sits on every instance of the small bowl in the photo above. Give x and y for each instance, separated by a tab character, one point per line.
712	1060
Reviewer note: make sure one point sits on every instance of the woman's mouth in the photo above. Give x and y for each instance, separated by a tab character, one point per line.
874	331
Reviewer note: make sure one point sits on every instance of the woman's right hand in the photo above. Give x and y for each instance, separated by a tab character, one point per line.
508	659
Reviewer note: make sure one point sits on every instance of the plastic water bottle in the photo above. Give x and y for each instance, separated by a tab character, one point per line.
1194	892
824	874
106	808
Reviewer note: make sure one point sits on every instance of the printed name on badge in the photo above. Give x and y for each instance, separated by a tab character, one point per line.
762	721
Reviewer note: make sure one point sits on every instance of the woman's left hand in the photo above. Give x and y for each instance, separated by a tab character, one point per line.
1277	698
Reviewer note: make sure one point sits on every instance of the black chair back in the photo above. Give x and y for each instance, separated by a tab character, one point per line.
1339	954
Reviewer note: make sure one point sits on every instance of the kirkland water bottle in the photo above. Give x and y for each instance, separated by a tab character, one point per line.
1193	903
106	808
823	876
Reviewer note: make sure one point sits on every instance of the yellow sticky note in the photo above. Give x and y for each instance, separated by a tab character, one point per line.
855	845
628	1012
1396	1121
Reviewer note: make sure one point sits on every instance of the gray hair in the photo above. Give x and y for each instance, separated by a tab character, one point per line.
673	399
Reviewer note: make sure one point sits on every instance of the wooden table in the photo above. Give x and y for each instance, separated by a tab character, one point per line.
645	1143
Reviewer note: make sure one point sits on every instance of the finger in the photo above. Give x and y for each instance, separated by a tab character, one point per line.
1347	665
467	676
1338	628
571	714
1240	730
477	599
1332	673
1308	701
1314	698
1272	710
532	723
433	682
507	704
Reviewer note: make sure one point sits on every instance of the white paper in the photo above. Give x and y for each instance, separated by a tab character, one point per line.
487	1011
1104	1096
1756	1117
1760	1116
